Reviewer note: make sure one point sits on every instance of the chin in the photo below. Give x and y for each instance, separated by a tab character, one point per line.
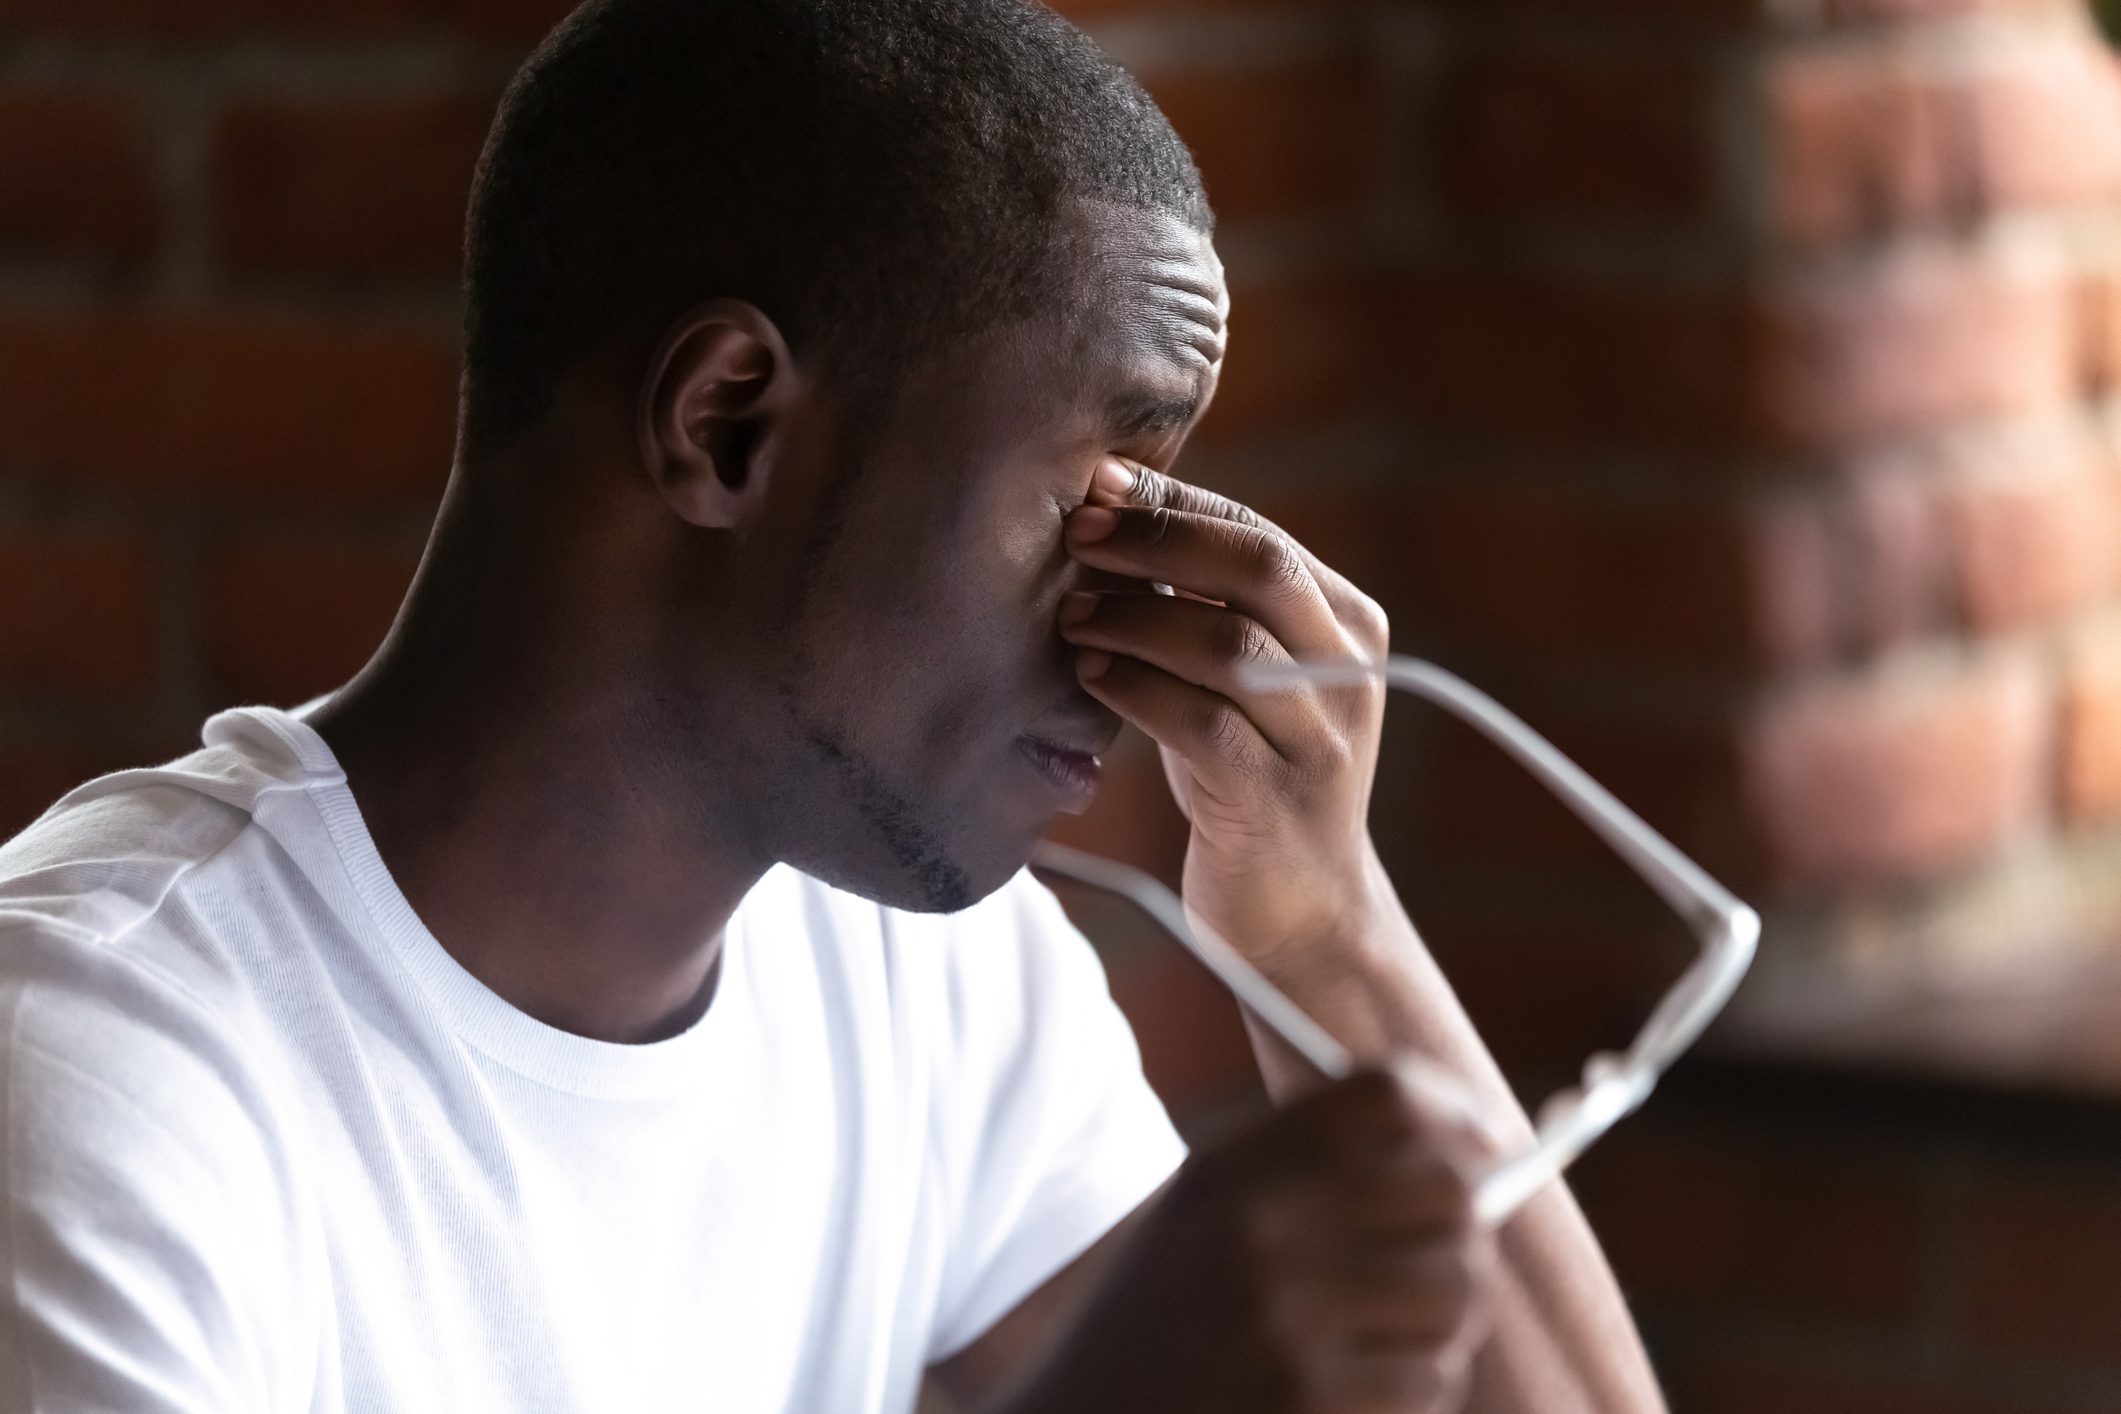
924	849
918	872
945	884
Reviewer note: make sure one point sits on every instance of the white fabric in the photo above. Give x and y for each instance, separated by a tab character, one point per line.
266	1147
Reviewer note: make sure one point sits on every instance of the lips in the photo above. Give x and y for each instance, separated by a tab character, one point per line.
1072	773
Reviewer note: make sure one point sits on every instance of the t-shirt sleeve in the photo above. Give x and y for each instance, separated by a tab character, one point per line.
145	1246
1051	1133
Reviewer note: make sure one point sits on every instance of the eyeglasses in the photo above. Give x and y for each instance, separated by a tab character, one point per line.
1614	1083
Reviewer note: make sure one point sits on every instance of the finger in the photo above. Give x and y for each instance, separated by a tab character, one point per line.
1375	1116
1222	745
1368	1379
1148	487
1364	1215
1424	1301
1255	570
1203	644
1376	1214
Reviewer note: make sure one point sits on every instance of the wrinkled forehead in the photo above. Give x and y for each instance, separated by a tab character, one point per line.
1146	301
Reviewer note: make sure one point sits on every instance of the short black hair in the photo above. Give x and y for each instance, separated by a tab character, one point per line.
875	175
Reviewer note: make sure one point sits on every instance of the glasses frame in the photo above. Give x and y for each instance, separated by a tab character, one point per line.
1615	1083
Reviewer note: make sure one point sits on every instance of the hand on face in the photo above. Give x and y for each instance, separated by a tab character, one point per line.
1326	1259
1275	783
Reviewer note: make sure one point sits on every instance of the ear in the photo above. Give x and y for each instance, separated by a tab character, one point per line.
712	389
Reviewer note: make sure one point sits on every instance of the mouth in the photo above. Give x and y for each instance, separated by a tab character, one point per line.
1070	771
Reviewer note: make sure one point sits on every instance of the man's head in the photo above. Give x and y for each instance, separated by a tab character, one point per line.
841	305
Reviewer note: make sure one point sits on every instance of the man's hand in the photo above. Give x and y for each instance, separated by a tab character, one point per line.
1325	1261
1277	786
1276	783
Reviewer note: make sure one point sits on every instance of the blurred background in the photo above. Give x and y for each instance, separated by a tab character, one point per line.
1727	385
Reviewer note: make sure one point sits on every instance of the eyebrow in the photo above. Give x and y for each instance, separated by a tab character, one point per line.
1136	415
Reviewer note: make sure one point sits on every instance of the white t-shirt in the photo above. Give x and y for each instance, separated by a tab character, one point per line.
267	1147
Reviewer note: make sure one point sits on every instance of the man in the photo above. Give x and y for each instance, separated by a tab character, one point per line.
625	995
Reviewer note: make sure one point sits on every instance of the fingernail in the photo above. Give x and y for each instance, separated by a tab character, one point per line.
1113	476
1091	523
1075	606
1091	663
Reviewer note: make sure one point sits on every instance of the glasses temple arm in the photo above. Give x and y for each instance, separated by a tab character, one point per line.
1262	998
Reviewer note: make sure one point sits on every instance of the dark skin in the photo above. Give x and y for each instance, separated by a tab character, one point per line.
709	615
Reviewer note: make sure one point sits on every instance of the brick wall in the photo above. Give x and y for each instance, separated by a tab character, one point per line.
1727	384
1844	1244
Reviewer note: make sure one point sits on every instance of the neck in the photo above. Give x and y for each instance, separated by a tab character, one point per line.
530	809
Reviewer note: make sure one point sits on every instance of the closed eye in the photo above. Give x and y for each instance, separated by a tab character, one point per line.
1135	418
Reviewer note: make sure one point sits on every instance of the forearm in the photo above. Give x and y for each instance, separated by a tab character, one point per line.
1563	1339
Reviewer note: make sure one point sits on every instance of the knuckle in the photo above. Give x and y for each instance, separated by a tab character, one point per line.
1239	638
1153	488
1332	756
1275	563
1217	723
1455	1288
1368	621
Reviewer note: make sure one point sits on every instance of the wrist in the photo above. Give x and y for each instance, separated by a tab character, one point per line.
1352	934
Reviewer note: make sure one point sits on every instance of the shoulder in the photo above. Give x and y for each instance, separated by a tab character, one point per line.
117	976
105	859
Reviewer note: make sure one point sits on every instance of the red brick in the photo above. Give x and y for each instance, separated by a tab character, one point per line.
2045	126
1802	578
1889	777
1548	992
1692	12
79	612
1195	1051
1582	578
1721	1222
1922	341
1483	821
1866	143
1301	352
2098	313
1276	141
2036	548
1786	13
1856	146
2091	730
1842	573
197	398
1823	362
129	20
1556	136
1089	13
1582	362
521	21
79	181
345	191
288	620
2044	1265
1857	11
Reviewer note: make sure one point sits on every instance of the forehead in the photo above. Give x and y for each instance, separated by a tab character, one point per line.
1147	303
1134	345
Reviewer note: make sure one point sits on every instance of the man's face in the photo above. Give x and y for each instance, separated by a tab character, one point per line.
930	708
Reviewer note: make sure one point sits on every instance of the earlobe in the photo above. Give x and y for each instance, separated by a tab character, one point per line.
716	381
